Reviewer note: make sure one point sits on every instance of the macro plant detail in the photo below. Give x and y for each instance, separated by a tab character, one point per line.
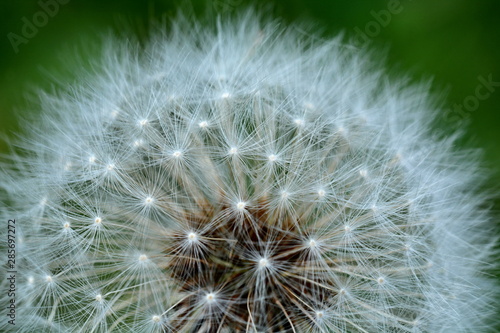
245	179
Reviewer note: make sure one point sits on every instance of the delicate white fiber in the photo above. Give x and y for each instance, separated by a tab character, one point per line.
245	179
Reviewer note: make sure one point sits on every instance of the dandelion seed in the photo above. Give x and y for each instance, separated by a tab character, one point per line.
192	237
263	263
363	173
203	124
177	154
241	205
210	297
272	158
299	122
313	243
138	143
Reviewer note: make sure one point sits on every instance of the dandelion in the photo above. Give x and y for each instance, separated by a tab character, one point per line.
249	179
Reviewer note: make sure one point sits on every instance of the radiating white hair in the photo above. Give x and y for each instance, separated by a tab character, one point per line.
245	179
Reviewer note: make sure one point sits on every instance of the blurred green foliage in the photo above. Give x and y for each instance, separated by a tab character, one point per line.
454	42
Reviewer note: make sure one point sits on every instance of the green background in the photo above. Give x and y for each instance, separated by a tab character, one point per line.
454	42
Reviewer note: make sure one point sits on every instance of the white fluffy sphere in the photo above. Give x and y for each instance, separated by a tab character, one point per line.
245	179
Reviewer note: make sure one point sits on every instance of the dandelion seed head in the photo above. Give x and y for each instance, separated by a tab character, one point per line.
253	181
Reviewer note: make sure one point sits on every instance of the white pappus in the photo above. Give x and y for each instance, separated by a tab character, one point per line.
245	178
